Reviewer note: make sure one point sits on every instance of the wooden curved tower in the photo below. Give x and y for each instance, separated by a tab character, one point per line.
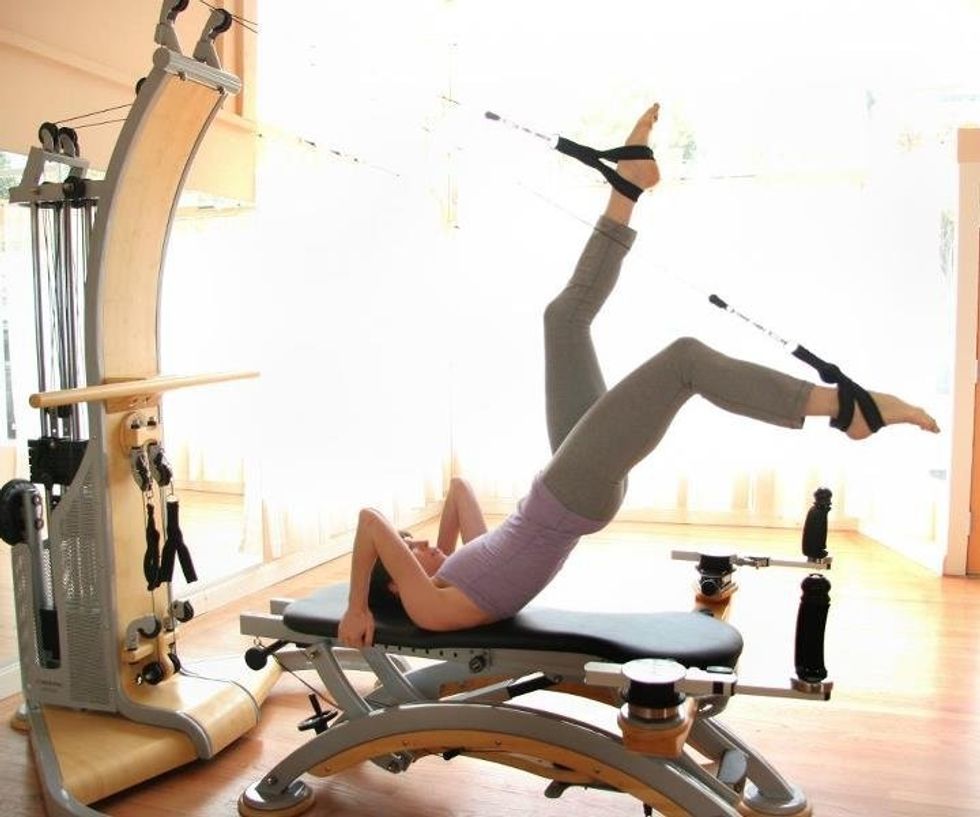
99	720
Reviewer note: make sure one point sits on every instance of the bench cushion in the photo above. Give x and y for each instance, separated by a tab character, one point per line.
692	639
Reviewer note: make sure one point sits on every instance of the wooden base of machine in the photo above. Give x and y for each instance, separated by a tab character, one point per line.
534	756
100	754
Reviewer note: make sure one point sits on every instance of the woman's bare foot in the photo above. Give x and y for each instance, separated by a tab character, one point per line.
644	173
824	401
894	412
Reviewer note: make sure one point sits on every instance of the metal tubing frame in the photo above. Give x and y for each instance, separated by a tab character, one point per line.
58	802
670	778
389	710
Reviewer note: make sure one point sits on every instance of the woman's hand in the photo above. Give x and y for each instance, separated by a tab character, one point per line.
356	628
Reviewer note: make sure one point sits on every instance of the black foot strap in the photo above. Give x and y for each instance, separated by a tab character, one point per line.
848	393
175	547
597	158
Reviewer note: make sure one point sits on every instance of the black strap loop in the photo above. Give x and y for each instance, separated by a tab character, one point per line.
848	392
151	559
595	159
175	547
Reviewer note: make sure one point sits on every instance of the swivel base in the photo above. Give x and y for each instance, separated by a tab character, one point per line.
755	804
295	800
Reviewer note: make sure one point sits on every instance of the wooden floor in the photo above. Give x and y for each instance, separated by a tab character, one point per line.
898	739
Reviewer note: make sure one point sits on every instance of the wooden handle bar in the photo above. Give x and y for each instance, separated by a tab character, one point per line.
131	388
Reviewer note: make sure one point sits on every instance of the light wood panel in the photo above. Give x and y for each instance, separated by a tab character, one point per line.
897	740
101	754
132	394
135	237
973	542
963	551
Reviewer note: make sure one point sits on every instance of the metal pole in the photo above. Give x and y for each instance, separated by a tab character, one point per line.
39	311
67	336
70	337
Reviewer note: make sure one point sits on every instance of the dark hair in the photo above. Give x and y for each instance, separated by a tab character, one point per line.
380	579
380	594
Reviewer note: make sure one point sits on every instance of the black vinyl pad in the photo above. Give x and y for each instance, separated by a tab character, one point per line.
692	639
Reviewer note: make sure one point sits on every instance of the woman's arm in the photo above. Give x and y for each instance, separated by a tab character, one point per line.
428	606
461	516
376	539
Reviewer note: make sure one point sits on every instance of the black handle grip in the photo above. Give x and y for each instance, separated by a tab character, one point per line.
257	657
811	621
175	546
815	526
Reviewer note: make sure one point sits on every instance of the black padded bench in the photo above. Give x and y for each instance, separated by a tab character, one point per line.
692	639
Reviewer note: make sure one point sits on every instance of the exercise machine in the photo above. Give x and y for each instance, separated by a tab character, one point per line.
95	530
661	680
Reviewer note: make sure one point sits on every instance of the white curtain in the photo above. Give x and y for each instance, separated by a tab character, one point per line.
333	286
389	282
809	179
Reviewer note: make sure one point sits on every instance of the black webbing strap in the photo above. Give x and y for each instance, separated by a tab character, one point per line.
151	559
848	392
597	158
175	547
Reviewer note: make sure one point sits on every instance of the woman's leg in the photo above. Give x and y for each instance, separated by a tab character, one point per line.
462	517
573	378
588	471
597	436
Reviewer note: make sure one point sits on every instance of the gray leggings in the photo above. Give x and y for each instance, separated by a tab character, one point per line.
598	435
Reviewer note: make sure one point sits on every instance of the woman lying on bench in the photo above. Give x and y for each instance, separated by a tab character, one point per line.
597	436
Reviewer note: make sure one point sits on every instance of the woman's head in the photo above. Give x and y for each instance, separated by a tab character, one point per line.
429	558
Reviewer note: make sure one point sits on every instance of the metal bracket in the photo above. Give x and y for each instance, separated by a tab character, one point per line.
165	33
218	23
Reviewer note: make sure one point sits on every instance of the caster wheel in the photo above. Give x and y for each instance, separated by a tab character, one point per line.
294	801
